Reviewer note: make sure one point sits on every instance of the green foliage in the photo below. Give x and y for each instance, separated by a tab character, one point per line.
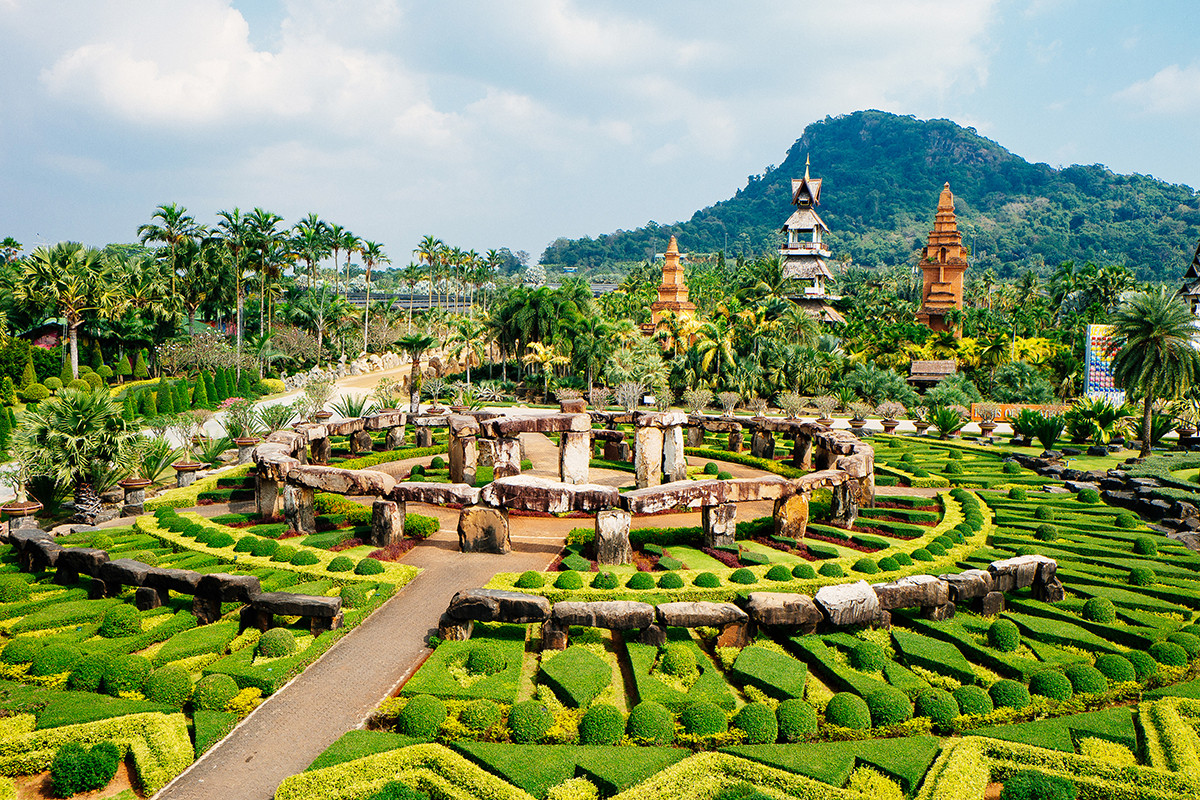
1007	693
1142	576
1046	533
678	660
13	589
868	657
1188	641
1127	520
1004	636
706	580
213	692
652	723
605	580
703	718
284	553
569	580
797	720
831	569
743	576
528	721
641	581
88	673
126	673
78	769
276	643
1036	785
480	715
939	705
121	620
602	724
55	659
576	675
866	565
485	658
1115	668
530	579
887	564
303	558
1089	496
1145	546
368	566
848	710
213	726
1100	609
757	721
422	716
170	685
340	564
775	674
779	572
973	700
1053	684
889	706
1044	512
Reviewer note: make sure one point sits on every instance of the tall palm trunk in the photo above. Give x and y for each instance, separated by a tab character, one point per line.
414	387
1147	414
73	333
241	303
87	502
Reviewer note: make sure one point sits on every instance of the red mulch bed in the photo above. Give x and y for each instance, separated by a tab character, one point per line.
393	551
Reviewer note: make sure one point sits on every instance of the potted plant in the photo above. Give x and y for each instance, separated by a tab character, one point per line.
890	411
858	415
948	420
987	418
825	405
919	414
20	507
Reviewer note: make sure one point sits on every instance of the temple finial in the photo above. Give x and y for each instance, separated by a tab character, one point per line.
806	168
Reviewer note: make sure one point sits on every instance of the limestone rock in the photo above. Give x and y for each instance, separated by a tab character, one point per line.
361	482
848	603
124	572
699	614
784	609
990	604
615	615
185	581
297	605
1018	572
483	530
912	592
612	537
497	605
86	560
435	493
229	588
969	584
529	493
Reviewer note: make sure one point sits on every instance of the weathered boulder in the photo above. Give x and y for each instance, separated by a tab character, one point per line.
387	522
848	603
39	554
660	419
912	592
297	605
576	406
719	524
697	494
384	419
699	614
791	516
615	615
1049	592
345	427
530	493
75	560
969	584
574	455
361	482
124	572
165	579
784	609
435	493
551	423
612	537
1018	572
990	604
361	442
497	605
482	529
647	456
229	588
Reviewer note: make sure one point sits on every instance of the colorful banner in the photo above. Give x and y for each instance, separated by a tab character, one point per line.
1009	411
1098	364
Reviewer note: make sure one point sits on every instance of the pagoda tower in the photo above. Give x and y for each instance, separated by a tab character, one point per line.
943	262
673	293
1190	291
803	253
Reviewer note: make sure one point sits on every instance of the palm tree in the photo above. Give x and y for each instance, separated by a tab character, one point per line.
546	357
1154	335
174	227
235	232
75	438
415	345
715	344
351	244
310	242
372	253
319	310
430	251
467	340
70	279
412	276
265	240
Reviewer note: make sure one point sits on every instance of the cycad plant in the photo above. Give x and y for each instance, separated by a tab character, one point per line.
353	406
1047	429
948	420
155	455
276	416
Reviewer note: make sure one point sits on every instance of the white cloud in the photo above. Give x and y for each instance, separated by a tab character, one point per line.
1171	90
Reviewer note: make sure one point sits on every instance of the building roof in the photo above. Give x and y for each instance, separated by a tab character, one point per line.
806	190
805	266
932	370
818	307
804	219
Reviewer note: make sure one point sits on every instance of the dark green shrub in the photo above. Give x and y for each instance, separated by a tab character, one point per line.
889	706
973	700
1142	576
569	580
245	544
704	719
1127	520
1144	665
848	710
939	705
1033	785
1116	668
102	541
711	468
219	539
936	549
797	720
284	553
1145	546
213	692
1189	642
355	595
170	684
602	724
742	575
55	659
605	580
952	468
528	721
1089	496
758	722
866	565
1168	653
706	580
396	790
422	716
1053	684
369	566
1046	533
437	463
640	581
89	672
1100	609
671	580
1018	493
1043	512
1009	694
921	554
779	572
724	475
122	620
652	723
868	657
903	559
76	769
1004	636
276	643
678	659
888	564
485	658
803	572
1011	468
126	673
831	569
13	589
530	580
304	558
480	715
340	564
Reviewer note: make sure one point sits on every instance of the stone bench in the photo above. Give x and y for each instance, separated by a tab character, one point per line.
527	493
615	615
732	621
219	587
159	582
116	574
784	610
849	604
75	560
490	605
323	613
930	594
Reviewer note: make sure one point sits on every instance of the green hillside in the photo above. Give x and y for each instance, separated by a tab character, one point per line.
882	174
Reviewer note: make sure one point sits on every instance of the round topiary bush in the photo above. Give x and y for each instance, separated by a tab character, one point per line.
743	576
213	692
1043	512
1116	668
797	720
89	672
651	723
889	706
220	539
1009	694
485	658
711	468
1145	546
530	580
848	710
53	383
868	657
866	565
602	724
1034	785
903	559
422	716
605	580
170	684
35	393
437	463
1127	520
340	564
954	455
369	566
480	715
920	473
1144	665
21	650
921	554
245	544
125	673
1099	609
121	620
55	659
275	643
757	721
1053	684
1046	533
952	468
888	564
102	541
640	580
1189	642
706	580
832	569
304	558
779	572
76	768
1018	493
1011	468
355	595
724	475
569	580
13	589
935	549
1168	653
938	705
1004	636
945	541
973	700
704	719
1089	496
1142	576
670	580
678	659
284	553
804	572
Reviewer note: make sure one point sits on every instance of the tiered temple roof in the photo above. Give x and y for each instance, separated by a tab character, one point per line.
673	293
1190	291
943	262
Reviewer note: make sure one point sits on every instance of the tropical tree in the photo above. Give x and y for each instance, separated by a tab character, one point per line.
172	227
431	250
269	256
546	357
415	345
311	242
1154	336
318	310
467	339
372	253
235	231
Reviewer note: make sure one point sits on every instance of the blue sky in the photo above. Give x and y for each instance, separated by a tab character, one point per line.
509	124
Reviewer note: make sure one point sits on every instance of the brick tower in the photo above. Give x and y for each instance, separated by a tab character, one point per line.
943	262
673	294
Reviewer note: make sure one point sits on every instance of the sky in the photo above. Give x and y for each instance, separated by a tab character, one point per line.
510	124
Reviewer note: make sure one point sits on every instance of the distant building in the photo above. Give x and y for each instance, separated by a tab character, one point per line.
924	374
1190	291
673	293
943	262
803	252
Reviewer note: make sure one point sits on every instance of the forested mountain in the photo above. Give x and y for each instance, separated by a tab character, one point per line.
882	175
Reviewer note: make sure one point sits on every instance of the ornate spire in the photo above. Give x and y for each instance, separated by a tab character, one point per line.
806	159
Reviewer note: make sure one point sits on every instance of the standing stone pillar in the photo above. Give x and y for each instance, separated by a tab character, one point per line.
802	452
360	441
245	449
298	509
736	439
135	496
321	450
424	436
719	523
612	537
762	444
506	457
483	529
674	460
695	435
464	458
574	453
387	522
268	497
844	505
791	516
395	438
647	457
